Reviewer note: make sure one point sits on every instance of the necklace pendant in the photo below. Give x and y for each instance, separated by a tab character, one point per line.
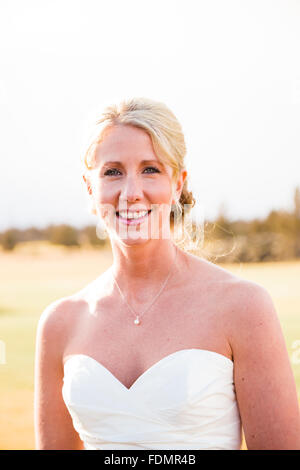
137	321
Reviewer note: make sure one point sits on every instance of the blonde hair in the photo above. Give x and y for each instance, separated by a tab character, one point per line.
165	132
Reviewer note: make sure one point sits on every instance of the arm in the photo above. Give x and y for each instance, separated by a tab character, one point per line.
52	421
265	386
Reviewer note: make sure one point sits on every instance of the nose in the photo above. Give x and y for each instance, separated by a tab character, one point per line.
131	190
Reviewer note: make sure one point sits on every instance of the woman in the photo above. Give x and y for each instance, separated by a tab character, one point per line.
164	350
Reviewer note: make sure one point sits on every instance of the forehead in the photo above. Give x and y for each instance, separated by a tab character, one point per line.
124	143
128	145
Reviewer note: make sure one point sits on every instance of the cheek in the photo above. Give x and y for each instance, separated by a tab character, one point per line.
102	201
159	191
155	191
103	194
162	196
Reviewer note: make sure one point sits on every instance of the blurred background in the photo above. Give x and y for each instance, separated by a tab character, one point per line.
230	71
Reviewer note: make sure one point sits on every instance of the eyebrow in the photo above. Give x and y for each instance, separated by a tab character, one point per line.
115	162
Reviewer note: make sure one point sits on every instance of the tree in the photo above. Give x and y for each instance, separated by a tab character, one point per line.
64	235
9	240
89	235
297	202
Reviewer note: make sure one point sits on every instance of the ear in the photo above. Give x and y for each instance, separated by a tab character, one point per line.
179	185
88	183
92	208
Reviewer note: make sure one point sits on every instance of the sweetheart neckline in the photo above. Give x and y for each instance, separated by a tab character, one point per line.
156	364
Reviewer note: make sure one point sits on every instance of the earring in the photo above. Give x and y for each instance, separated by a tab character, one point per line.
101	231
92	208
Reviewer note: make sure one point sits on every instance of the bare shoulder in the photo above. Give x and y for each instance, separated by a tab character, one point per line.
53	326
243	296
204	269
252	314
253	329
264	382
247	308
210	275
66	310
56	313
52	333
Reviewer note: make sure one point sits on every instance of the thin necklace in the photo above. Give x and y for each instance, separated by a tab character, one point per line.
137	320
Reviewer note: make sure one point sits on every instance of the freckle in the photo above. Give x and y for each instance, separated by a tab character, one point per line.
243	379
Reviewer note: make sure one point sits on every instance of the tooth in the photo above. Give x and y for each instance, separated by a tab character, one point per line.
133	215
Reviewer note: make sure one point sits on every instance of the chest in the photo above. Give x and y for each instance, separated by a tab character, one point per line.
182	319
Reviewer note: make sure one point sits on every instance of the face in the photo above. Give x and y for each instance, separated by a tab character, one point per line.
128	178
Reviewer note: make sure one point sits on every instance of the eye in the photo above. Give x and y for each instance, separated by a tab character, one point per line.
156	170
110	171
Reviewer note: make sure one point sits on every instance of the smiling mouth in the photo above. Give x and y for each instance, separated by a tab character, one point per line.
132	220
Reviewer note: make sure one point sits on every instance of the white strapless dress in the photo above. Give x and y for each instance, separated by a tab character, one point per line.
184	401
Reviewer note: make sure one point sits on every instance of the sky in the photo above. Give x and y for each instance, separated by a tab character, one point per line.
230	71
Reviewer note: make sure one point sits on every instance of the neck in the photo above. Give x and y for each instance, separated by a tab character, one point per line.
146	265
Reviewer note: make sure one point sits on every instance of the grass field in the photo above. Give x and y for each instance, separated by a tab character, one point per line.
36	274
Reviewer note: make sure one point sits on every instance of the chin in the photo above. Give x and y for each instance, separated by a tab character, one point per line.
133	241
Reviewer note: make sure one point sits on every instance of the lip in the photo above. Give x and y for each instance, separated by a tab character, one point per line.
132	221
